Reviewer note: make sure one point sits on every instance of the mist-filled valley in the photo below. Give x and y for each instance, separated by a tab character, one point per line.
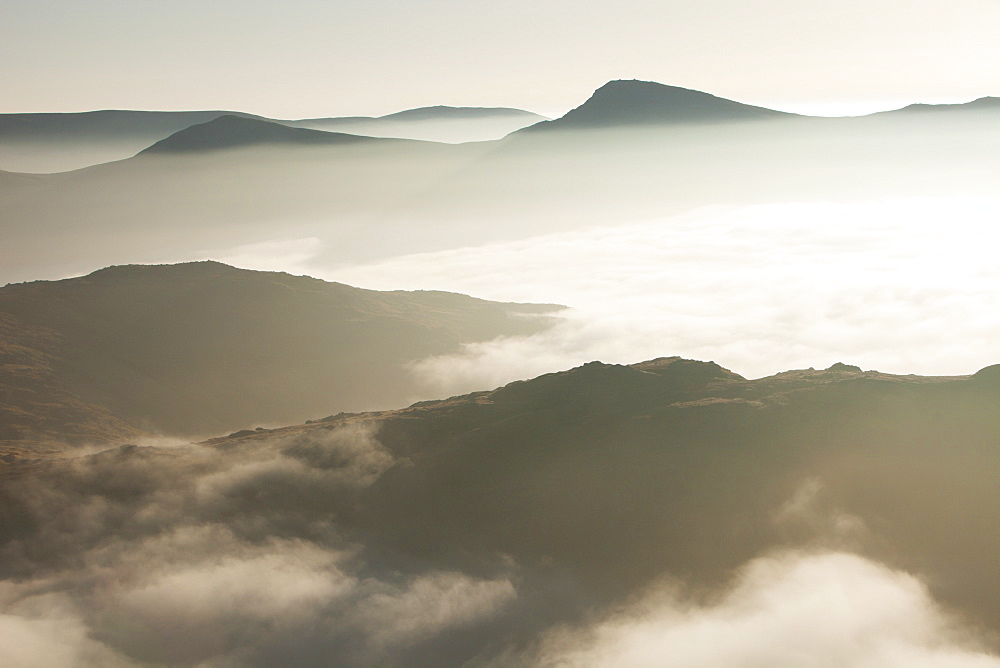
666	380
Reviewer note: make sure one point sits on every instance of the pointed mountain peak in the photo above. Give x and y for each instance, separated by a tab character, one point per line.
623	103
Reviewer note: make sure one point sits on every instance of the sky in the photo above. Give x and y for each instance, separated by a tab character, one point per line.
302	58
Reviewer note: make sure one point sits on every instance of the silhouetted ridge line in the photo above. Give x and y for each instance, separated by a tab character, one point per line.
982	104
631	102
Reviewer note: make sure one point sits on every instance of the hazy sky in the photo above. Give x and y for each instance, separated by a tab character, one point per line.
307	58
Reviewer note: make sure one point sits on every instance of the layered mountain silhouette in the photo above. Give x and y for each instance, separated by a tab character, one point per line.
479	529
56	142
203	348
634	150
540	502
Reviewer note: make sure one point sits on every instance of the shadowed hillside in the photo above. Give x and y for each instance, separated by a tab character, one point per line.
496	527
203	347
617	473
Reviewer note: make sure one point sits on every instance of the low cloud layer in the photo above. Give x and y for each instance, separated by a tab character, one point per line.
815	610
904	286
195	556
248	553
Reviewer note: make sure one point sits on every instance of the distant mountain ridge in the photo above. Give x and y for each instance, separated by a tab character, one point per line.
989	104
632	102
229	131
436	112
439	123
55	142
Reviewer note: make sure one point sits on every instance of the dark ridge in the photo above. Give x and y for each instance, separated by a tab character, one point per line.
625	103
234	132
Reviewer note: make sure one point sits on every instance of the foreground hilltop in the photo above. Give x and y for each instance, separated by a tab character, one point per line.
476	528
202	347
666	460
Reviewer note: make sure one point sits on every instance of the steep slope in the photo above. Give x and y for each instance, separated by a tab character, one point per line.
203	347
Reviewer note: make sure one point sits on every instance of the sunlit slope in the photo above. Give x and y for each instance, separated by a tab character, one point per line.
203	348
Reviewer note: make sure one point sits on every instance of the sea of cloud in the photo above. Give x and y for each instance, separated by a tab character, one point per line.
904	286
793	609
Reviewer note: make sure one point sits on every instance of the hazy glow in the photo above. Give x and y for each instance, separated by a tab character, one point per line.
305	58
906	286
795	610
